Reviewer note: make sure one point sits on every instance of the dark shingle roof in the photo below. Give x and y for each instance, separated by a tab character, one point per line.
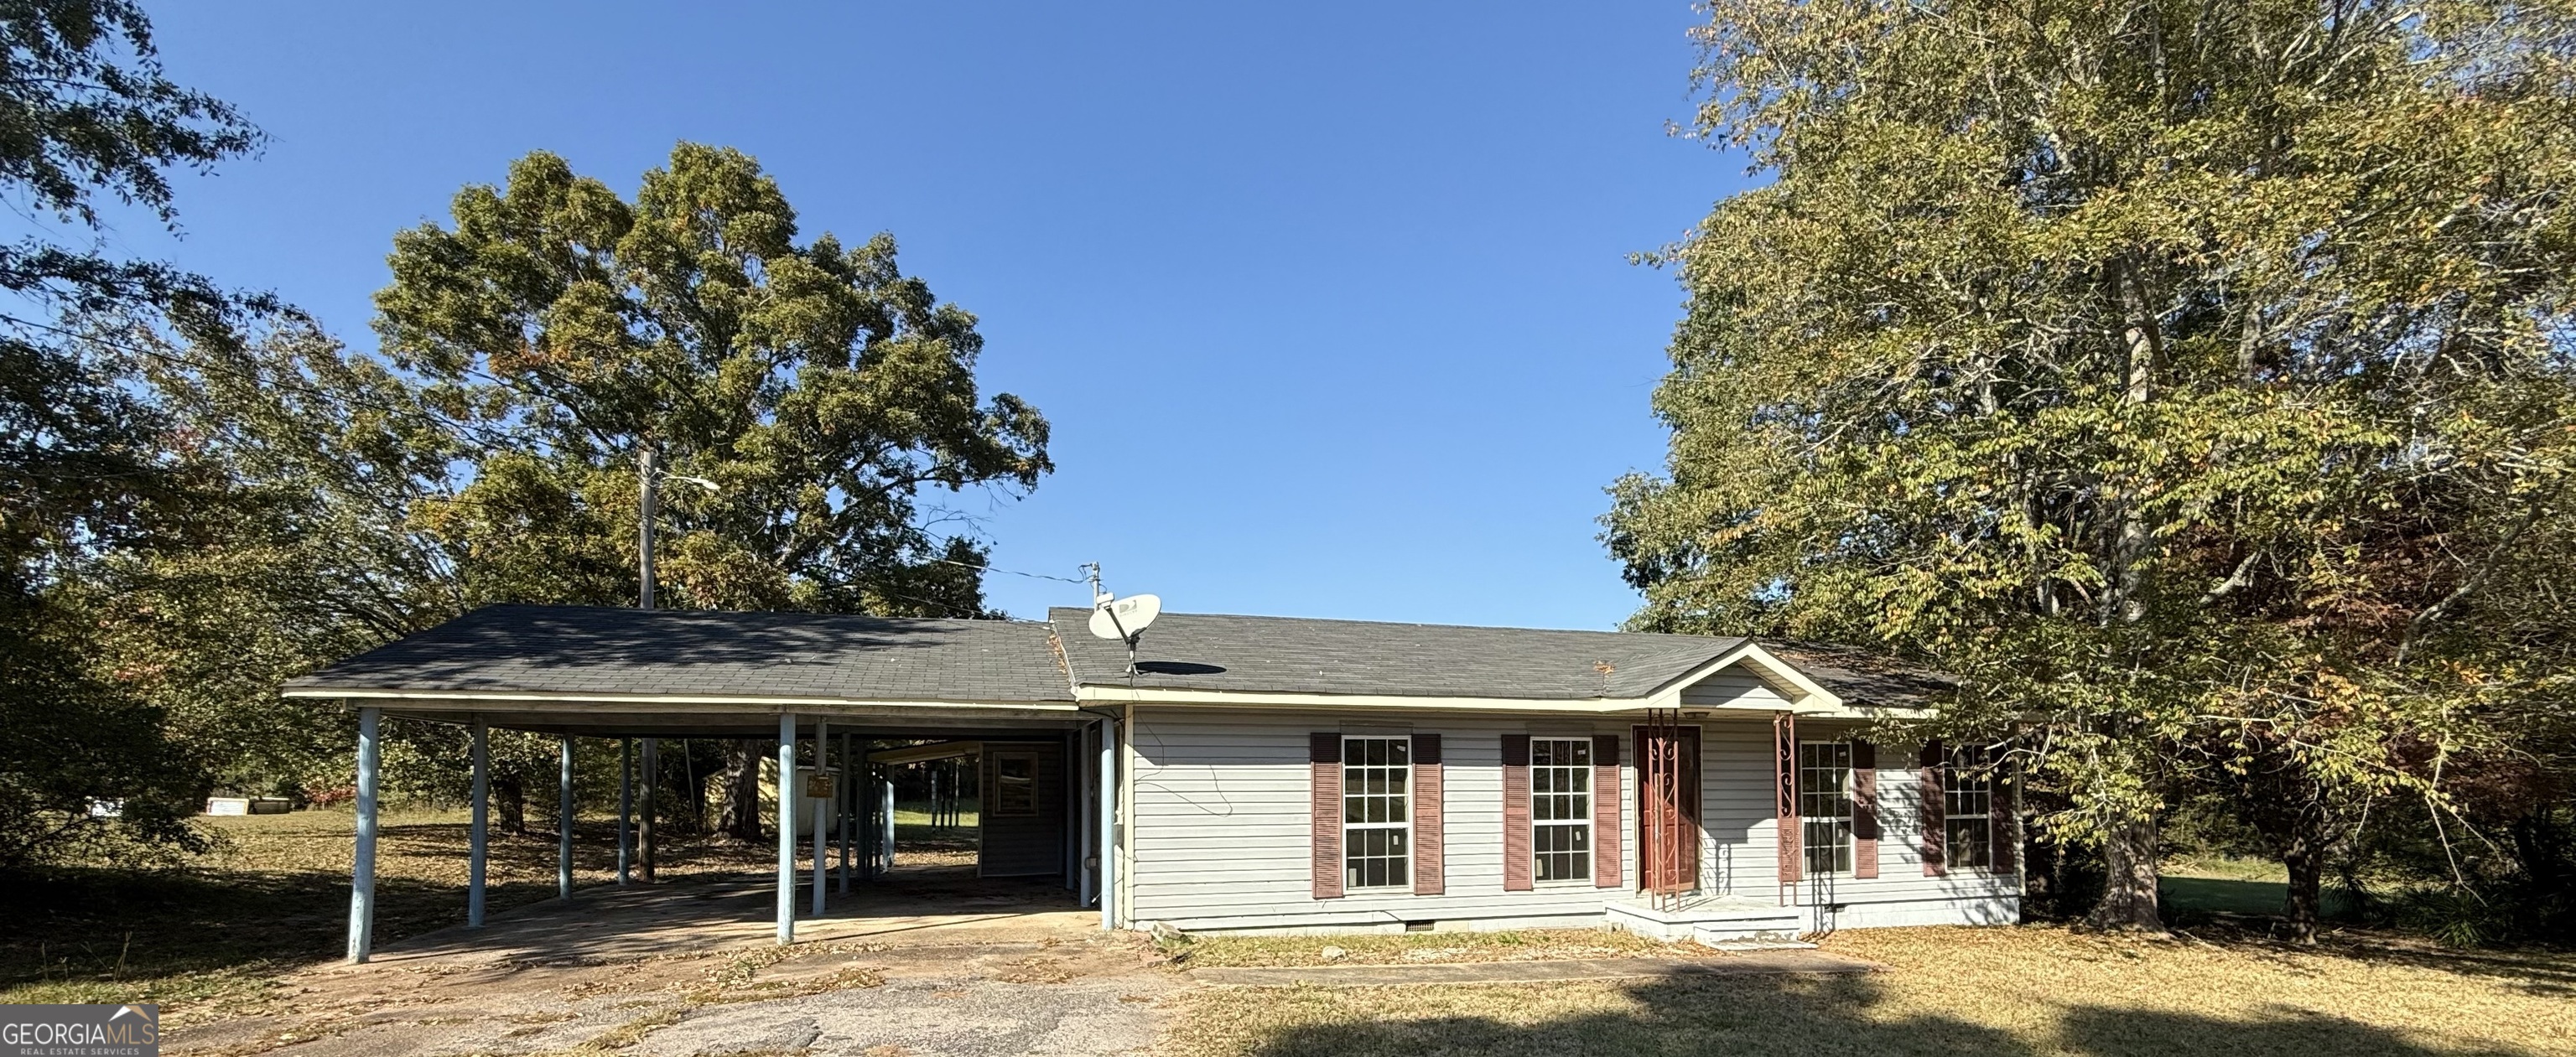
590	650
587	650
1199	651
1863	678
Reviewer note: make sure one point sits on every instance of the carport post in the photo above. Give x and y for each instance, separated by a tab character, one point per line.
644	842
478	837
362	871
563	822
625	808
846	794
822	859
786	828
885	794
1108	824
1086	830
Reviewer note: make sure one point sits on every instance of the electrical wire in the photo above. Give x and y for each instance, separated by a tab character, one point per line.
1013	572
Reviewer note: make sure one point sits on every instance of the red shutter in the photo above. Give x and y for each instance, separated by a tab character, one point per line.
1784	782
1324	751
1999	810
1864	809
1607	798
1517	867
1428	879
1936	835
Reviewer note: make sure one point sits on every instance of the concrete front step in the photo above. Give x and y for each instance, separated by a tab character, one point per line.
1712	921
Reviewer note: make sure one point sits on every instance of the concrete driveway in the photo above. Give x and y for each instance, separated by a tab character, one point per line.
931	962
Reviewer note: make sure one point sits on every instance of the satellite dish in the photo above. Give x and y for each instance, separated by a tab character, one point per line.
1124	618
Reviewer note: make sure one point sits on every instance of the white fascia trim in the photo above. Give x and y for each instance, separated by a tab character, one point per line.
1120	695
504	699
1806	696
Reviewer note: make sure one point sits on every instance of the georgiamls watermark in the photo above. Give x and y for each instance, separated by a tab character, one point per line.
80	1031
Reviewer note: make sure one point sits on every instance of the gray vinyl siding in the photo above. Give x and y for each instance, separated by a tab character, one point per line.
1732	687
1220	823
1743	828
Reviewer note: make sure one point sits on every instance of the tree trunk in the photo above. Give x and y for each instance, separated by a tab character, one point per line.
2304	855
511	798
694	791
742	791
2129	855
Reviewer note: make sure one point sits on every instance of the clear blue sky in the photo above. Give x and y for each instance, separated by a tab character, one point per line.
1328	304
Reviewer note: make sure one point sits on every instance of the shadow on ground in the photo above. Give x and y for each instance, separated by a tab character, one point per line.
1800	1015
107	925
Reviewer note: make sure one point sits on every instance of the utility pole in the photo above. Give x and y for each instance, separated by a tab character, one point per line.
652	482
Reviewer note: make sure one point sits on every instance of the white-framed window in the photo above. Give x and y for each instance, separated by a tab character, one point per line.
1377	812
1015	785
1561	808
1825	804
1967	809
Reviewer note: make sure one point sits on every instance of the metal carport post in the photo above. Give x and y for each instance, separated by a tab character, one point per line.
786	828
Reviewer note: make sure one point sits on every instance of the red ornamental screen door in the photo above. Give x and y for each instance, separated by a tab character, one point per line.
1668	829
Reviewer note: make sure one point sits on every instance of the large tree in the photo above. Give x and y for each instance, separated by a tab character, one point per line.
819	387
86	114
2181	375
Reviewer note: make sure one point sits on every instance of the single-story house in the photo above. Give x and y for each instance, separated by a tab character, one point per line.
1293	775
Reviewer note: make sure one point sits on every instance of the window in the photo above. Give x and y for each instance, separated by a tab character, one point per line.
1015	785
1561	807
1377	817
1967	805
1825	804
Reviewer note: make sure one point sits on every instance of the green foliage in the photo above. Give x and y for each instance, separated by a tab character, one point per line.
2184	377
817	386
84	467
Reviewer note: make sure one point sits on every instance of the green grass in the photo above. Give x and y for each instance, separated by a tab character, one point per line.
916	814
2194	889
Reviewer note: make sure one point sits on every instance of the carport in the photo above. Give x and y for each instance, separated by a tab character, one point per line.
825	687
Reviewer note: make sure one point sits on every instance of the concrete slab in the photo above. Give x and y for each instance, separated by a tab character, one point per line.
1754	963
929	961
607	923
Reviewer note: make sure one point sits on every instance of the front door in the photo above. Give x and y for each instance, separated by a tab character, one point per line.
1668	826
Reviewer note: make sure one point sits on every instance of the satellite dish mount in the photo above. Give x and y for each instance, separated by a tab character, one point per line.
1122	619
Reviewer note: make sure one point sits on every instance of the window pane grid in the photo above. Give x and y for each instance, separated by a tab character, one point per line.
1561	808
1825	805
1377	822
1967	802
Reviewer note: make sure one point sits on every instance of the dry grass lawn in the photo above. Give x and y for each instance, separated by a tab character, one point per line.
2031	990
275	896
